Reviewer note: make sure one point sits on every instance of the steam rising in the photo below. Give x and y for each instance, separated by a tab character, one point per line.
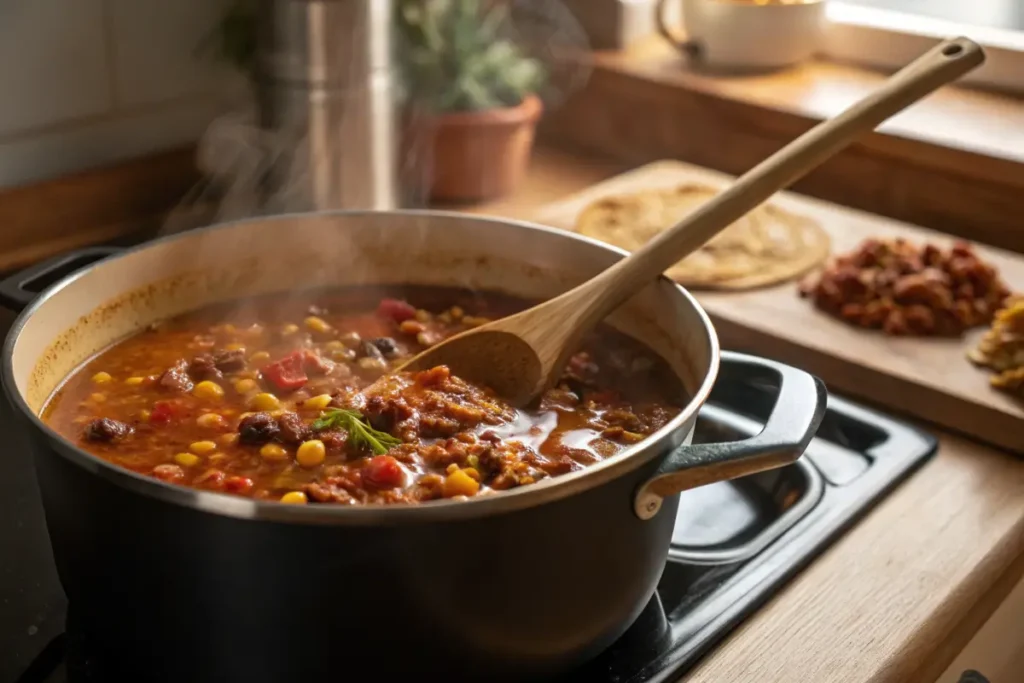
251	170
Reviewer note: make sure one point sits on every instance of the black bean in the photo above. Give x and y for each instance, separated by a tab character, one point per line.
386	345
370	350
258	428
105	429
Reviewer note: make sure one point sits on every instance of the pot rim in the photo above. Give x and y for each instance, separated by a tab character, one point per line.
542	492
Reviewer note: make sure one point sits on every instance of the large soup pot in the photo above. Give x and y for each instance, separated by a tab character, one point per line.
186	585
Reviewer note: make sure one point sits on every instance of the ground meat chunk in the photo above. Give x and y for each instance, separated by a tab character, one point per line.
292	429
105	429
334	441
229	361
176	377
327	493
203	367
258	428
431	404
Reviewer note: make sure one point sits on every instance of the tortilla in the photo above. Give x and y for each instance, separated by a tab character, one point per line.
767	246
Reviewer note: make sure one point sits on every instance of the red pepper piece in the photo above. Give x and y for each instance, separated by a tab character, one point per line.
395	309
240	485
383	472
288	373
163	412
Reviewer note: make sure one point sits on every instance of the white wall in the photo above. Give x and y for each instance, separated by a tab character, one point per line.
85	83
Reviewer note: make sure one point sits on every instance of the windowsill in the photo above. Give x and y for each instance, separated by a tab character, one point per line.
985	123
888	39
952	162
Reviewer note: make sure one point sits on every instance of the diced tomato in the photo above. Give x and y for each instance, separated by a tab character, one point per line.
395	309
163	412
288	373
210	479
383	472
240	485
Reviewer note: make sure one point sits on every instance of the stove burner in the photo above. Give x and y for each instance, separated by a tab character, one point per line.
721	566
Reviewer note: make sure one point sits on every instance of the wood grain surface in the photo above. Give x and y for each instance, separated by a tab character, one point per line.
931	378
44	219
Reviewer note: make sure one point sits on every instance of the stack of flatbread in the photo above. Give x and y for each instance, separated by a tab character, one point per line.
767	246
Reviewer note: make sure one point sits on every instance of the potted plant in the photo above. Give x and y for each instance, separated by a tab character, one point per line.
473	92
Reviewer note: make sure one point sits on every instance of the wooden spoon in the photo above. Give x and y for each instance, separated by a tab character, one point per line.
522	355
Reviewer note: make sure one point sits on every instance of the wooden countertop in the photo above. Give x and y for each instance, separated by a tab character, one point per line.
898	596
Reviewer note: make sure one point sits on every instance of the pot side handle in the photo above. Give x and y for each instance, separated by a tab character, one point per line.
795	418
19	289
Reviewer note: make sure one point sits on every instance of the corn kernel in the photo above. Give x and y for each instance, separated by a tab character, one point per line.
350	338
289	329
202	447
334	345
368	363
423	316
101	377
228	439
210	421
134	381
264	402
216	458
294	498
459	483
273	452
473	461
472	473
144	415
343	354
317	402
311	453
474	321
208	390
456	313
186	459
97	398
411	327
234	346
259	357
244	386
317	324
452	468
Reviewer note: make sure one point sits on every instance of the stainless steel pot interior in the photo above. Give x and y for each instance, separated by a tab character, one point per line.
83	314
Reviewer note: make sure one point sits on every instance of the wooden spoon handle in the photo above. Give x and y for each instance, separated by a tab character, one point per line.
944	63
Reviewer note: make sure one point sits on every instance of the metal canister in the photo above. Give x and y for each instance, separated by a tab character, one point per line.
327	97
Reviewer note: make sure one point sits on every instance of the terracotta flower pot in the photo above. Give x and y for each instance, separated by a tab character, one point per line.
480	155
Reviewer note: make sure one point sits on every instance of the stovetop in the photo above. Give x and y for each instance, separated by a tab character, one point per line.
735	543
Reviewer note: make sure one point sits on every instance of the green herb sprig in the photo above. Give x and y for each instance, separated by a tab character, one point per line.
360	433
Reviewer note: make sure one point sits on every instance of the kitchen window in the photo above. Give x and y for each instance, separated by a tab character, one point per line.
889	33
884	34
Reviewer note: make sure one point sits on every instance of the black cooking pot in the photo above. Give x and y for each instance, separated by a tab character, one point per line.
186	585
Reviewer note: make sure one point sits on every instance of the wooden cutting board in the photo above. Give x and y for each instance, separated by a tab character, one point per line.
928	378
